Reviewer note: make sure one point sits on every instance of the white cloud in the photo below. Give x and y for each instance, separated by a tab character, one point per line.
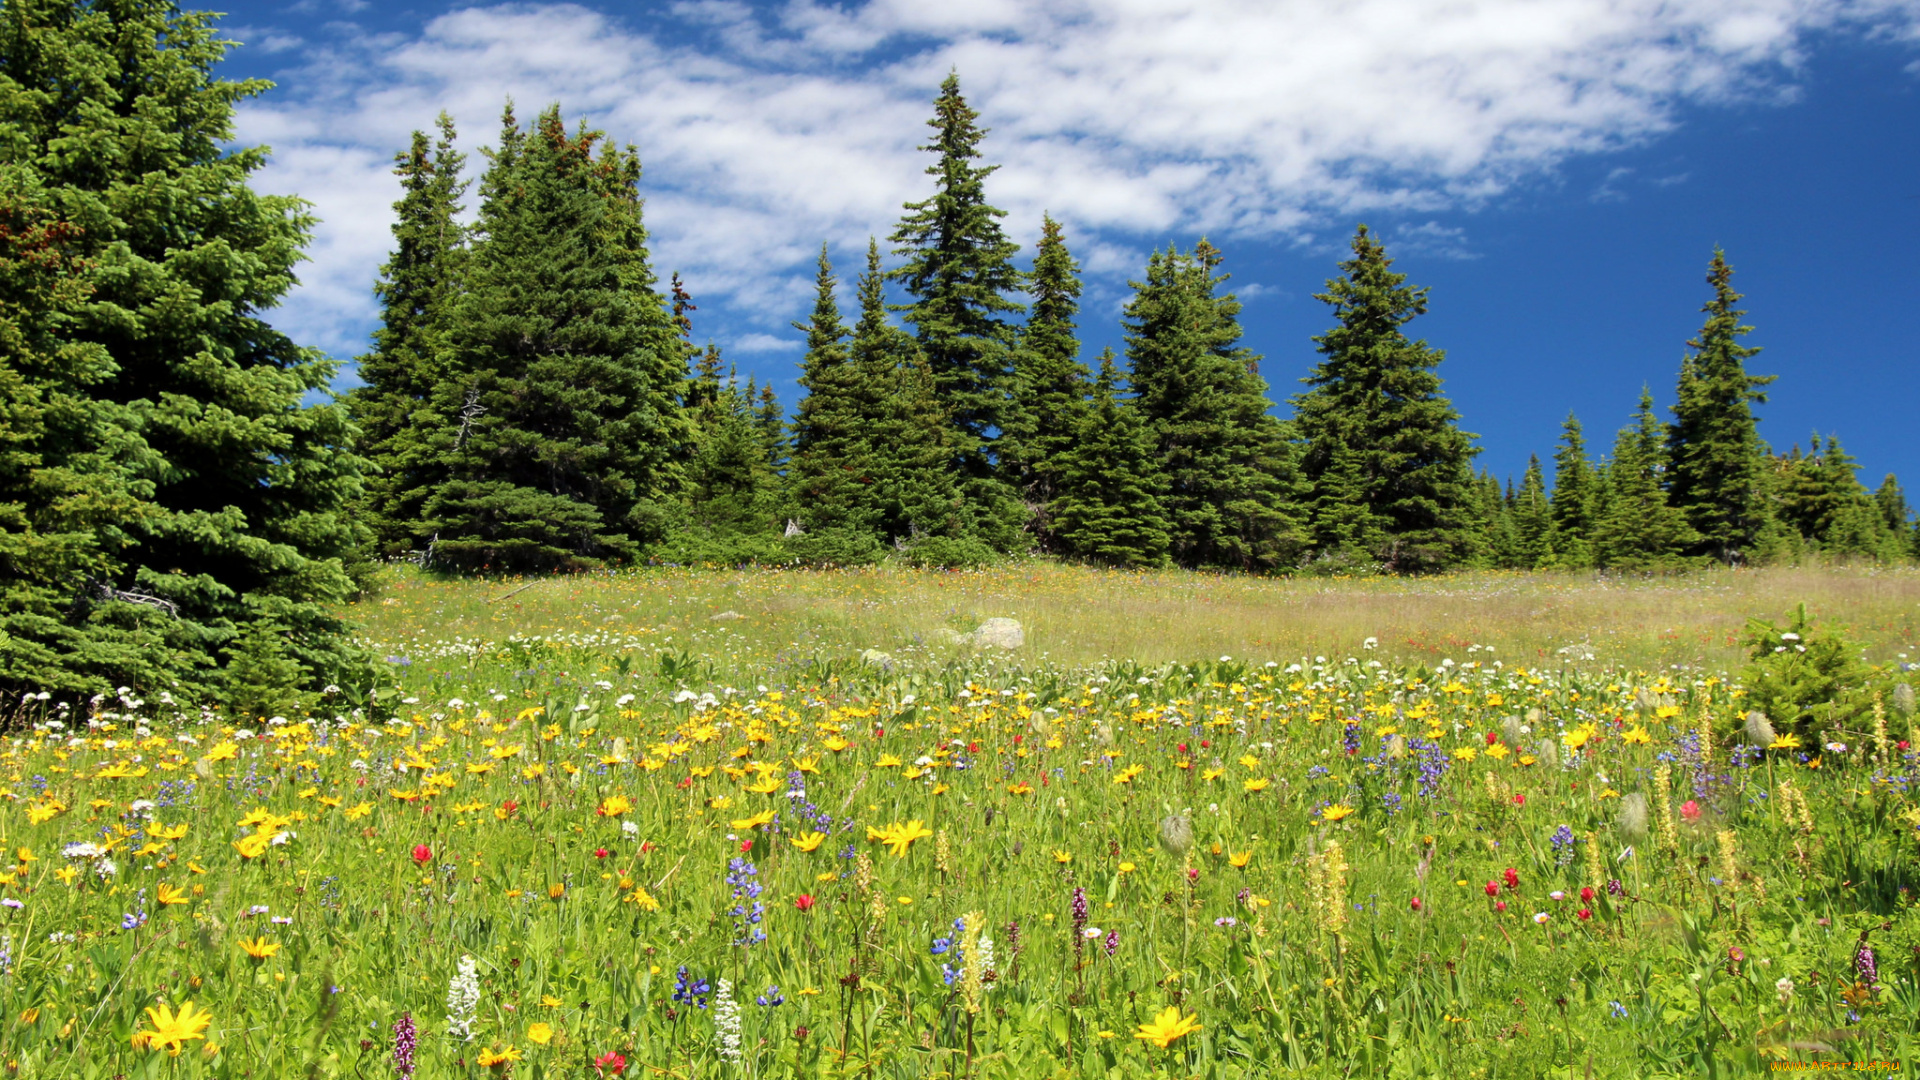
1132	121
765	343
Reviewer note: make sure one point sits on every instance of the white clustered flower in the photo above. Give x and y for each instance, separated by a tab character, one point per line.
726	1021
463	997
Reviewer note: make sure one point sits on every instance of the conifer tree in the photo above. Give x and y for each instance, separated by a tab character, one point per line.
1717	474
770	421
958	272
830	437
561	427
730	487
1641	530
1108	508
172	517
1891	501
1532	519
418	288
1492	541
1050	383
1230	478
1574	484
1821	497
1387	465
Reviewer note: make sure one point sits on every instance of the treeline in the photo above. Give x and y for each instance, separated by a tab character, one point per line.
534	403
175	519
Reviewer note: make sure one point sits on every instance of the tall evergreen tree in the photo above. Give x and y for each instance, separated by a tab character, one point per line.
1491	536
830	436
1387	465
1641	529
730	486
1230	474
1716	451
1574	484
1891	501
959	272
418	288
560	418
171	516
1108	507
1532	519
1821	497
1050	384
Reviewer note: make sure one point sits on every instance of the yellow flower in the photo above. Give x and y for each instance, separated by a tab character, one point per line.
66	874
549	1001
720	803
1127	868
766	785
1062	857
490	1057
808	841
169	832
1020	789
1498	751
1126	775
171	1031
745	824
1785	742
250	847
642	897
1249	761
887	761
1466	753
259	948
807	765
1240	859
354	813
501	753
1636	736
614	806
1212	774
171	894
701	772
223	751
556	890
541	1033
1335	812
1167	1027
41	813
836	744
1667	712
479	768
534	771
900	837
1257	784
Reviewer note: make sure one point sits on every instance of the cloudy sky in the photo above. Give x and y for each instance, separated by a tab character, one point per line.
1558	171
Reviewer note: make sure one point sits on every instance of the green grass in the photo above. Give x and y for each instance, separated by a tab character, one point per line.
580	801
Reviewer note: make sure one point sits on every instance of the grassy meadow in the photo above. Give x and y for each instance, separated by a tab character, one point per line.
670	823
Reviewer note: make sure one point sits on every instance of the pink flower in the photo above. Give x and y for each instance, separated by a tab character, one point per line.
1499	905
1493	888
804	902
1415	903
1513	878
1690	810
422	854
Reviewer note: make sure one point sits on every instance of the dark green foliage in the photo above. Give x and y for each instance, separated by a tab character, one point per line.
1494	542
1895	514
1230	477
959	271
1387	467
169	510
1638	529
1717	468
1803	676
558	421
1532	520
1108	507
730	488
1050	384
1820	497
418	289
1574	484
872	442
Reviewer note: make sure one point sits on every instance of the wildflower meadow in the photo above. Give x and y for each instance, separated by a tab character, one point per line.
597	854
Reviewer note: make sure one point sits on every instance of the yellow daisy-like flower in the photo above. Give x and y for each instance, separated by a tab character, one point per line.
747	824
171	894
1636	736
259	948
224	751
251	847
1127	868
1167	1027
836	744
899	837
1258	783
541	1033
1212	774
1498	751
614	806
1335	812
489	1057
1062	857
1239	859
1785	742
807	841
170	1030
354	813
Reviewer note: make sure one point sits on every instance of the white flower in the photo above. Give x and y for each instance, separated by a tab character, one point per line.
82	850
1784	988
684	696
1370	643
463	997
1789	636
1091	932
1540	917
1837	747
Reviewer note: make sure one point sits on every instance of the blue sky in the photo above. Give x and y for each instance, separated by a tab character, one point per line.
1557	171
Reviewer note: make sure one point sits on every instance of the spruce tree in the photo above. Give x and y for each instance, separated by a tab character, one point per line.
1715	448
1891	501
1230	478
830	436
1532	519
1493	542
730	487
1641	530
958	272
418	288
1821	497
560	422
1050	383
1387	465
172	517
1574	484
1108	507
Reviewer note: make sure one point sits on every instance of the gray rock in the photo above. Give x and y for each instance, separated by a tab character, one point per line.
1000	633
875	656
726	616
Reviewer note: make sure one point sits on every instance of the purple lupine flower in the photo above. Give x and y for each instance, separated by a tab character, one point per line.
404	1041
1350	737
747	909
1562	841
